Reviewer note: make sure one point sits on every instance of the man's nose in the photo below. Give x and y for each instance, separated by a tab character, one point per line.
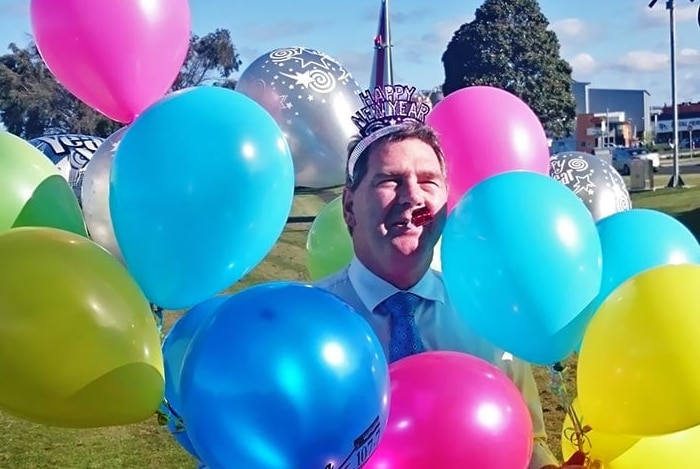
411	194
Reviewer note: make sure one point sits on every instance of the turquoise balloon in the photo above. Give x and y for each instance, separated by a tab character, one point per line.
640	239
521	262
201	188
637	240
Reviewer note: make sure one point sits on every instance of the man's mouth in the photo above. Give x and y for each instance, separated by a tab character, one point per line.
418	218
422	217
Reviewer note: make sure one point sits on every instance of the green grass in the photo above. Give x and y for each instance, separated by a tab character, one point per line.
682	203
25	445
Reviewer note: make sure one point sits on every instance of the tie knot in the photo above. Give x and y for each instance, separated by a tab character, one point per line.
401	304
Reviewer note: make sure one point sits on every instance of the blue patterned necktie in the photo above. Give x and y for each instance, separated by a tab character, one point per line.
405	339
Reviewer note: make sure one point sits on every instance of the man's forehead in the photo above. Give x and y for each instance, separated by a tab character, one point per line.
407	145
406	150
424	166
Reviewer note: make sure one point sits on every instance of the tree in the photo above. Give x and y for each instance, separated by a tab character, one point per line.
508	46
34	104
210	60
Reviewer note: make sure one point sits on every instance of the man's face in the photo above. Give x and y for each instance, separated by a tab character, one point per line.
403	178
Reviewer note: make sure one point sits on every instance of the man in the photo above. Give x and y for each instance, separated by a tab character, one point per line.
394	205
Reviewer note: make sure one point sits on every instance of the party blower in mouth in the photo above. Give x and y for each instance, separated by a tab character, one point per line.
422	217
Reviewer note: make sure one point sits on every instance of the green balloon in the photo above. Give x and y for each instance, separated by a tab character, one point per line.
328	245
32	192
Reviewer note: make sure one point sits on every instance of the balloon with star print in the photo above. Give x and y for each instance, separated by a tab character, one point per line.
593	180
71	154
95	194
312	98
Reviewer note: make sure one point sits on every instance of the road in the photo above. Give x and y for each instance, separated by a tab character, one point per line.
686	166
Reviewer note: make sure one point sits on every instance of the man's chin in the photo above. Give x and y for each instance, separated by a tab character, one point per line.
410	248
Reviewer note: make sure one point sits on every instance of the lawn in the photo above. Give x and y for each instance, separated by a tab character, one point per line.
146	445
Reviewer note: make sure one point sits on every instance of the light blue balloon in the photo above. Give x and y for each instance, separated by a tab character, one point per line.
285	376
521	262
201	188
640	239
175	346
637	240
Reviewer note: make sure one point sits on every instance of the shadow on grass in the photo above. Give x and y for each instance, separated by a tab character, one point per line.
691	219
683	204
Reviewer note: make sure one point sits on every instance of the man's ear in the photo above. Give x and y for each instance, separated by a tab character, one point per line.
348	209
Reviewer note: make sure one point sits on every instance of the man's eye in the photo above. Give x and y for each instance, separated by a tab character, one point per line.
387	182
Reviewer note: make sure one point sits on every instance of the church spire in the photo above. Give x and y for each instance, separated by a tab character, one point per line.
382	67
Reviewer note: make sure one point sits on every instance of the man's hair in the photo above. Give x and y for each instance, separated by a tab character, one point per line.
407	130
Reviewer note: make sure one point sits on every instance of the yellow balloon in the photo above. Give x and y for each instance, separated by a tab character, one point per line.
79	346
638	371
599	446
679	450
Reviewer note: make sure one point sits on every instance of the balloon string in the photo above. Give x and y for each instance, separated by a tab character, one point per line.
158	315
164	418
577	434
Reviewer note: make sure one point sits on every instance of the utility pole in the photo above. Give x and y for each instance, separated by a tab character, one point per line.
676	180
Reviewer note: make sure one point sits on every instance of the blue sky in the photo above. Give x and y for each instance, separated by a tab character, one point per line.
612	44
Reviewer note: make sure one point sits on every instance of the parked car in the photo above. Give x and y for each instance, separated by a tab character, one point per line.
622	158
685	143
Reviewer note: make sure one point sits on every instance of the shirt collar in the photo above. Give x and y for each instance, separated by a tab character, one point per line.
372	289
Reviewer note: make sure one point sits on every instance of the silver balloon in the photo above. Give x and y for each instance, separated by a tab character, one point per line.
593	180
312	98
71	154
95	195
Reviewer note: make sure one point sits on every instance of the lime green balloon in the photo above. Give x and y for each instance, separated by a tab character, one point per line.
79	346
328	245
32	192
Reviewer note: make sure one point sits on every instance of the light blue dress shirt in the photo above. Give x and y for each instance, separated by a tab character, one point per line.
440	329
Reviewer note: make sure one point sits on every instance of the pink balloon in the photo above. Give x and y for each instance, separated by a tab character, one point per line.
451	410
485	131
117	56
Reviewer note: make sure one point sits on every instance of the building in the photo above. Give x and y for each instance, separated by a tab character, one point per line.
688	124
596	130
607	116
635	104
580	92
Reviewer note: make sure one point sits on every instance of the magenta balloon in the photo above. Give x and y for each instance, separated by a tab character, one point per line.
485	131
451	410
117	56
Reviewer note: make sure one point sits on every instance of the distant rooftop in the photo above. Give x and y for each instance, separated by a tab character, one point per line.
587	83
